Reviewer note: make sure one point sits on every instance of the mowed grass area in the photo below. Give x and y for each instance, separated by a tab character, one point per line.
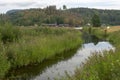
22	46
101	67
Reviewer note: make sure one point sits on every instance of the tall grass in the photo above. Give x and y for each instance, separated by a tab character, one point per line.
98	32
101	67
9	33
4	63
35	44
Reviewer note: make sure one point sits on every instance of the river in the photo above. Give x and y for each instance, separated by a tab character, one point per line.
59	65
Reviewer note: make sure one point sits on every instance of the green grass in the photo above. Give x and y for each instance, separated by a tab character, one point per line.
34	45
4	64
101	67
96	31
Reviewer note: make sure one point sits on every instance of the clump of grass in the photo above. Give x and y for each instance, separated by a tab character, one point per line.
99	67
41	48
96	31
9	33
4	63
36	44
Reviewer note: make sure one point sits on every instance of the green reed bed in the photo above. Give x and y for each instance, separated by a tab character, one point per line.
96	31
101	67
4	63
23	46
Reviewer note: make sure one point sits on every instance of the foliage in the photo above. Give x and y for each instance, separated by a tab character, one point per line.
9	33
51	15
96	21
36	45
46	44
108	17
96	31
4	63
64	7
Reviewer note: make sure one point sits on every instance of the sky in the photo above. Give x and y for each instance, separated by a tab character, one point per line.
6	5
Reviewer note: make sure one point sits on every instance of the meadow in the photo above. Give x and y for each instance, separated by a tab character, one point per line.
24	46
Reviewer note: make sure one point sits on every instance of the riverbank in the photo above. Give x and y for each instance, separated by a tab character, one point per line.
101	67
31	45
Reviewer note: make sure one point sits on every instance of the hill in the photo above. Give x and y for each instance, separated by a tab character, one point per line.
51	15
108	17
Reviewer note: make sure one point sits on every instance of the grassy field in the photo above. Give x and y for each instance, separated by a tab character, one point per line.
22	46
101	67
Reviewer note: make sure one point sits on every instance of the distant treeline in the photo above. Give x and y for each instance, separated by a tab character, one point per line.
51	15
107	17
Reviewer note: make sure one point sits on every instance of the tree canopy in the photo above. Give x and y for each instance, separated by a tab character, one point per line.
96	21
52	15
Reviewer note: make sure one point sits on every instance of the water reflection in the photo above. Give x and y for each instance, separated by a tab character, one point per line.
31	71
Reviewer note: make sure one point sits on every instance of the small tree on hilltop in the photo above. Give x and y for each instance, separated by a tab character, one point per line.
96	21
64	7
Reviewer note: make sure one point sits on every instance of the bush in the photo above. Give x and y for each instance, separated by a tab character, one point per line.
4	63
9	33
96	21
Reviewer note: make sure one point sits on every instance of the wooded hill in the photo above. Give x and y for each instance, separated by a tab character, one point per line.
51	15
108	17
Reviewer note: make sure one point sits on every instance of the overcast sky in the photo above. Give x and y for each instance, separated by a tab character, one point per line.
6	5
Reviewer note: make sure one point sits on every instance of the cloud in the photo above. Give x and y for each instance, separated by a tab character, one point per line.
19	4
22	4
25	4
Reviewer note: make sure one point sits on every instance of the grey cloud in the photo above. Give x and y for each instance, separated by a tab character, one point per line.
40	4
21	4
24	4
92	4
3	4
109	4
102	4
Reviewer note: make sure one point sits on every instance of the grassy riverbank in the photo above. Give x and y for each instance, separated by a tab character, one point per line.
101	67
98	32
21	46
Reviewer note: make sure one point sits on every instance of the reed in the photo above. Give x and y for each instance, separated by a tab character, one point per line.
35	44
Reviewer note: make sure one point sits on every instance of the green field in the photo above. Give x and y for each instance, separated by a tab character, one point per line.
22	46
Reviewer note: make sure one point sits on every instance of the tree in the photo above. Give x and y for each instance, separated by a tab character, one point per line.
96	21
64	7
60	20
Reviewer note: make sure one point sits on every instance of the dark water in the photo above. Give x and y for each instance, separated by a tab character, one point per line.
59	65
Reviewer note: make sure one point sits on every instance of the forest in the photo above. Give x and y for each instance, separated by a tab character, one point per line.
52	15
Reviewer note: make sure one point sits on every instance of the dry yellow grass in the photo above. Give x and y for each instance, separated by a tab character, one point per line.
114	28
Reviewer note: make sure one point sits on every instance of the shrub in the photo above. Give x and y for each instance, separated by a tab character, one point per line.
4	63
9	33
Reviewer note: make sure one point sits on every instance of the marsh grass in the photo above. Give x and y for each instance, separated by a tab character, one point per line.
98	32
9	33
4	65
34	45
